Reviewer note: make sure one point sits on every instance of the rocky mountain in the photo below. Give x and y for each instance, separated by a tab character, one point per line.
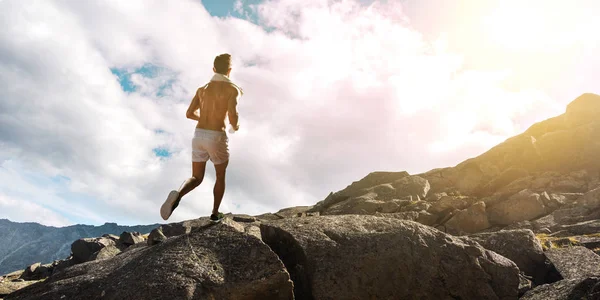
521	221
26	243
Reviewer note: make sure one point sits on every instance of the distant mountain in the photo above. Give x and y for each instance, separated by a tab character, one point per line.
22	244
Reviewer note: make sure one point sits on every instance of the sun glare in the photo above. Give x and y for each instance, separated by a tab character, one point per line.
534	26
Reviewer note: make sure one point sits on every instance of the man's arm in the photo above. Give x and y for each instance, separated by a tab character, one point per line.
192	111
232	110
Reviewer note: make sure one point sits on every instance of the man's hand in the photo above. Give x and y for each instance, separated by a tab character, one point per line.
233	130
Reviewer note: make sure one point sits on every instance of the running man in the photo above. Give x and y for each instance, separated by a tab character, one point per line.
214	101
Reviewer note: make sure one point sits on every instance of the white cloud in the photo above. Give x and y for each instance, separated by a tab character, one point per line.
334	91
25	211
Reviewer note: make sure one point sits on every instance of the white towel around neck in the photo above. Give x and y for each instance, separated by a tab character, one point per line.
221	77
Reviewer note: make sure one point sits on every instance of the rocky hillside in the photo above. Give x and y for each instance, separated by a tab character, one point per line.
519	221
26	243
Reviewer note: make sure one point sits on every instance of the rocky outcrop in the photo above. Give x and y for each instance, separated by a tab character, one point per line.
520	246
215	262
366	257
358	188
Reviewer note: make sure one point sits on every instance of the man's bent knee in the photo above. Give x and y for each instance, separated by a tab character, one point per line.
195	181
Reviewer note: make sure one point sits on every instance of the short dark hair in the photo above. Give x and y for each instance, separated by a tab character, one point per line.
223	63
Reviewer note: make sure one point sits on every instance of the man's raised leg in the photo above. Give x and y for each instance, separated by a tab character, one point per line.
198	169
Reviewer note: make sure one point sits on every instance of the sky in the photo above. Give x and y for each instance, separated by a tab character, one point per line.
93	95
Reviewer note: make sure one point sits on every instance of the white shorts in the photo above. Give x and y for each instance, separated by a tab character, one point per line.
210	144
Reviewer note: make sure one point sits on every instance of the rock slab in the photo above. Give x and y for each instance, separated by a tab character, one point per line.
367	257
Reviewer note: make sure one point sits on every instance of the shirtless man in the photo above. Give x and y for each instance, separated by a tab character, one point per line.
214	101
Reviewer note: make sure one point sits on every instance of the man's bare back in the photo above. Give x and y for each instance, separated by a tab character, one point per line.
215	100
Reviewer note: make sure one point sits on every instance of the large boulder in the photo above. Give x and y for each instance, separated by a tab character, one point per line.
471	220
84	249
575	262
523	206
520	246
215	262
156	236
131	238
367	257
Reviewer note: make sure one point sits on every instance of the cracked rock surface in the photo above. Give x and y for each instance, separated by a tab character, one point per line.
366	257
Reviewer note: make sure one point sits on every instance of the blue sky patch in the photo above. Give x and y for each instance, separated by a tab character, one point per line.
161	152
147	70
124	79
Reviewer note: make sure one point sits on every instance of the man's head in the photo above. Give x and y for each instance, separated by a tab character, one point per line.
222	64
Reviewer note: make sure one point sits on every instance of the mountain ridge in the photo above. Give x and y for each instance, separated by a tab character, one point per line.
25	243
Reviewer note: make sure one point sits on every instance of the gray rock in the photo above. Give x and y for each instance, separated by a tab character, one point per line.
268	217
471	220
37	271
62	264
451	202
415	186
214	262
426	218
591	199
524	285
106	253
394	205
111	236
572	289
156	237
407	215
367	257
520	246
522	206
131	238
587	227
574	262
83	249
289	212
417	206
358	188
244	218
362	205
505	178
433	197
